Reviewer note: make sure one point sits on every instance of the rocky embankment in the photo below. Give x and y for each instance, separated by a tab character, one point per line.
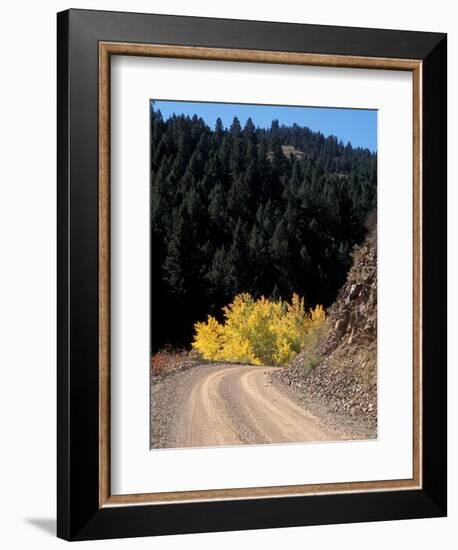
341	368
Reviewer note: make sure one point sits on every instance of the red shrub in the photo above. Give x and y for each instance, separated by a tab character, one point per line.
168	359
160	362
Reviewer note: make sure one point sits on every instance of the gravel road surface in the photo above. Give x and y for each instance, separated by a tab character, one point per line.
219	404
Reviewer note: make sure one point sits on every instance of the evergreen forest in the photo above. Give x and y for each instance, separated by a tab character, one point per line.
242	209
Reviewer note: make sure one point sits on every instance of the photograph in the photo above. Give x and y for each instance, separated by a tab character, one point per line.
263	273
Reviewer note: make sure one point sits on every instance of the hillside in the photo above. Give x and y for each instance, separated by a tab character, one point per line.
242	209
340	370
289	151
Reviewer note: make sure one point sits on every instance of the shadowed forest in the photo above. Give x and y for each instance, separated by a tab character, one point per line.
242	209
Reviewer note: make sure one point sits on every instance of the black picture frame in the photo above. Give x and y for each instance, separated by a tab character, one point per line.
80	516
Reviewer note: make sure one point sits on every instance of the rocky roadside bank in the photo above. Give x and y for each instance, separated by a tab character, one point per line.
341	371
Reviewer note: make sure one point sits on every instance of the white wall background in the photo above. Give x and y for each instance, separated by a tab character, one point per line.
27	272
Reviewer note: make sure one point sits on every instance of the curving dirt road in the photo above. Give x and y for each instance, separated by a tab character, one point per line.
219	404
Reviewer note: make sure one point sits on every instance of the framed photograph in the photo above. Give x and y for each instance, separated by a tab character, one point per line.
251	274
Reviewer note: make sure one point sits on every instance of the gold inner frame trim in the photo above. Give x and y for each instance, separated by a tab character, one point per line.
106	50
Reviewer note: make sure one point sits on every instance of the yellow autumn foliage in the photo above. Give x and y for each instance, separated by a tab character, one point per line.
259	332
209	335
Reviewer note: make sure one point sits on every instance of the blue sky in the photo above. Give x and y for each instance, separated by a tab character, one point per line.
357	126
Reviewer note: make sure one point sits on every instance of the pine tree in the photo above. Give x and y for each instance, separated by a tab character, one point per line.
238	260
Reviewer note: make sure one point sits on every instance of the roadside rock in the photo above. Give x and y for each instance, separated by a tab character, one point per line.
341	372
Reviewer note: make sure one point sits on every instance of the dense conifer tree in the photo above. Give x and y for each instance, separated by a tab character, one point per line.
233	210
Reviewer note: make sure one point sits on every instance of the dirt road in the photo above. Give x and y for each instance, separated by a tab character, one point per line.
221	404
